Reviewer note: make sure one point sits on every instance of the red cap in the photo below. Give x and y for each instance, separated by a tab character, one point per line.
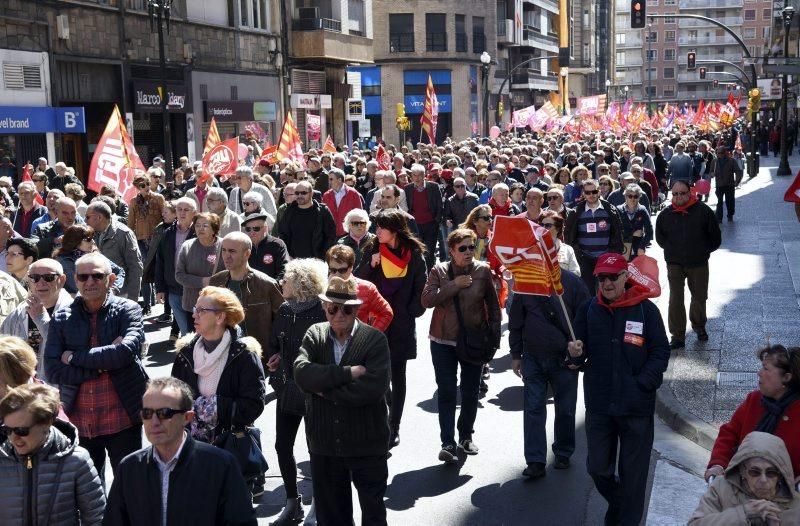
610	263
447	174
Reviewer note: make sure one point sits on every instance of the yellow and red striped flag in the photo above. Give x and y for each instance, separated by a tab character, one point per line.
213	136
329	147
290	147
430	116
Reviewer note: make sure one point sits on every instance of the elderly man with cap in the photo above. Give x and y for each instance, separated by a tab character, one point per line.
533	179
268	253
620	334
343	366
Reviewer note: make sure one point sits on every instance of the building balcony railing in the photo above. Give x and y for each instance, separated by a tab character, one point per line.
730	21
633	63
461	42
436	42
709	4
314	24
478	42
534	79
630	43
714	94
534	36
322	38
726	40
401	43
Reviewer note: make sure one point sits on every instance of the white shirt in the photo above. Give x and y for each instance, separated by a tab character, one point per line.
339	348
340	194
166	469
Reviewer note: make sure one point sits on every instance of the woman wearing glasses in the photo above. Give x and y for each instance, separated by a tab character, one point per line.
394	262
464	284
45	477
77	241
773	408
197	259
356	226
637	229
375	310
554	222
303	282
479	220
223	369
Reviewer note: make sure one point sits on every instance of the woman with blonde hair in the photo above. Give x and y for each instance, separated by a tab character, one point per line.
17	363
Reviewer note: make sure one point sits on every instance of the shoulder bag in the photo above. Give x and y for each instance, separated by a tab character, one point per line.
244	443
475	346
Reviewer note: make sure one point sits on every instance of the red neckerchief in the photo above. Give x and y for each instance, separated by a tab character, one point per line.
685	208
498	210
632	296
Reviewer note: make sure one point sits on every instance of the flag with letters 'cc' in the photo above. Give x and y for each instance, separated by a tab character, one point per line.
529	252
115	162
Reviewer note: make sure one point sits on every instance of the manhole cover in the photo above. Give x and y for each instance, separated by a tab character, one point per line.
737	380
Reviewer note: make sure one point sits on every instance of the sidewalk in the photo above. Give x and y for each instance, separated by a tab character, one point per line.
753	299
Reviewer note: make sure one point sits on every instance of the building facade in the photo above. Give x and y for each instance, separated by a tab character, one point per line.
592	45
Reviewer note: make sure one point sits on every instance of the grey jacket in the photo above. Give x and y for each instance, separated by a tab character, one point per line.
16	324
73	496
194	263
118	243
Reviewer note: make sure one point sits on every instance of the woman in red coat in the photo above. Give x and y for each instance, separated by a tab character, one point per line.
374	310
774	408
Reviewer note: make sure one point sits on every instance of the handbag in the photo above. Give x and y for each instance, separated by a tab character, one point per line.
475	346
244	443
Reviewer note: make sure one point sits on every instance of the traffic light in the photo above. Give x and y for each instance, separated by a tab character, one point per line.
401	121
638	8
753	102
401	110
690	61
500	109
703	73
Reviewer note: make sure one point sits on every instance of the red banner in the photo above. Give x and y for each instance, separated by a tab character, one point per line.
222	160
270	154
115	161
792	194
384	161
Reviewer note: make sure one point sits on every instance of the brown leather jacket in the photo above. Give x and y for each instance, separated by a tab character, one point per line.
261	298
478	301
144	224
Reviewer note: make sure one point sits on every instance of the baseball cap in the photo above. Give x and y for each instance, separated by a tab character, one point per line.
610	263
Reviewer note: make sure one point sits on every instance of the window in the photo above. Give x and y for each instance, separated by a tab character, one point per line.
669	19
435	32
652	54
652	2
652	37
650	90
357	18
766	14
620	58
669	54
749	33
253	14
401	33
765	31
669	73
461	34
749	14
670	2
669	90
478	35
620	39
669	36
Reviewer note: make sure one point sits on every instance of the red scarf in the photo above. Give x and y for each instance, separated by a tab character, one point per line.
498	210
642	284
685	208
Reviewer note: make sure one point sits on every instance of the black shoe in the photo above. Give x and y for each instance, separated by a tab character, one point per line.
702	335
448	454
562	462
468	446
164	318
484	386
146	311
292	514
257	490
394	436
676	344
485	371
612	517
535	470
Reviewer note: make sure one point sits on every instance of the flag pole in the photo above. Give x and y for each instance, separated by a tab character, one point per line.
566	317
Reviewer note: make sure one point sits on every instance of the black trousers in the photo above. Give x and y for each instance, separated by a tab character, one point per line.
396	396
333	495
286	426
633	436
429	233
587	263
119	445
728	193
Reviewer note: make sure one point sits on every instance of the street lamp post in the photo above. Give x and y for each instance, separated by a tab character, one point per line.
627	89
159	11
608	87
784	169
649	70
486	59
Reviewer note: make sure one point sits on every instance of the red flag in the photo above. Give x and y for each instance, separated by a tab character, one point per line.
115	161
430	115
221	160
384	161
290	147
792	194
27	173
329	147
269	154
213	136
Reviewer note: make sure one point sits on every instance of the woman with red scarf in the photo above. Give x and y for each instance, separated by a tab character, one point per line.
394	262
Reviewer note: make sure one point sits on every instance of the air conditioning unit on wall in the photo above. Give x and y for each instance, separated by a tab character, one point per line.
62	26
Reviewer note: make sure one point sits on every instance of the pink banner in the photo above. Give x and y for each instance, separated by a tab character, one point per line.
313	127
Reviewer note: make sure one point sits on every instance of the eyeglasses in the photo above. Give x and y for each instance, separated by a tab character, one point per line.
252	229
202	310
97	276
591	192
770	473
142	185
464	248
338	270
47	277
549	225
632	196
165	413
358	223
249	203
333	308
88	239
484	218
19	431
553	197
301	193
608	277
459	186
678	194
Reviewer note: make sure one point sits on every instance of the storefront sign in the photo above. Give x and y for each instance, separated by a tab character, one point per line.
147	97
364	129
355	109
416	103
241	111
37	119
304	101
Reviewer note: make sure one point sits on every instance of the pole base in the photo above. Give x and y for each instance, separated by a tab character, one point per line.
784	169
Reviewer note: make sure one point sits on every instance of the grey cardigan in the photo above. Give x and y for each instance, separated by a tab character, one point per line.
195	262
76	494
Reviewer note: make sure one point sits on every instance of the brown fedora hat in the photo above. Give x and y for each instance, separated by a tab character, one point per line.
343	292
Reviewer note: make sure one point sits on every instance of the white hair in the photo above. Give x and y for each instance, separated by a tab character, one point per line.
216	191
26	184
185	201
254	196
244	171
356	214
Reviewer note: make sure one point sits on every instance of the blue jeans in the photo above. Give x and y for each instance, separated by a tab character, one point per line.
444	253
445	367
181	316
537	372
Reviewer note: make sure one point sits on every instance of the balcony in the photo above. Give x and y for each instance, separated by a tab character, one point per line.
505	31
726	40
322	39
718	94
436	42
686	5
533	79
631	63
533	37
547	5
401	43
631	42
730	21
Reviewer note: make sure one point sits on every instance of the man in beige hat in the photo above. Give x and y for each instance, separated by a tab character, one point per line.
344	366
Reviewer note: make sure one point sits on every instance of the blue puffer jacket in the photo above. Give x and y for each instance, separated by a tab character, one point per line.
627	352
69	331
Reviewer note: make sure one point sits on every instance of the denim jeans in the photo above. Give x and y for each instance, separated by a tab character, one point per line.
445	367
444	254
537	372
182	317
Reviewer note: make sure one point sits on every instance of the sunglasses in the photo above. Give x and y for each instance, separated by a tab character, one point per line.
591	192
608	277
464	248
97	276
485	218
47	277
249	203
201	310
757	473
340	270
252	229
302	193
358	223
165	413
333	308
553	197
632	196
459	186
19	431
680	193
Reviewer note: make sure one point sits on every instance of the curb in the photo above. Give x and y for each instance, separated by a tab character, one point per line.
676	416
